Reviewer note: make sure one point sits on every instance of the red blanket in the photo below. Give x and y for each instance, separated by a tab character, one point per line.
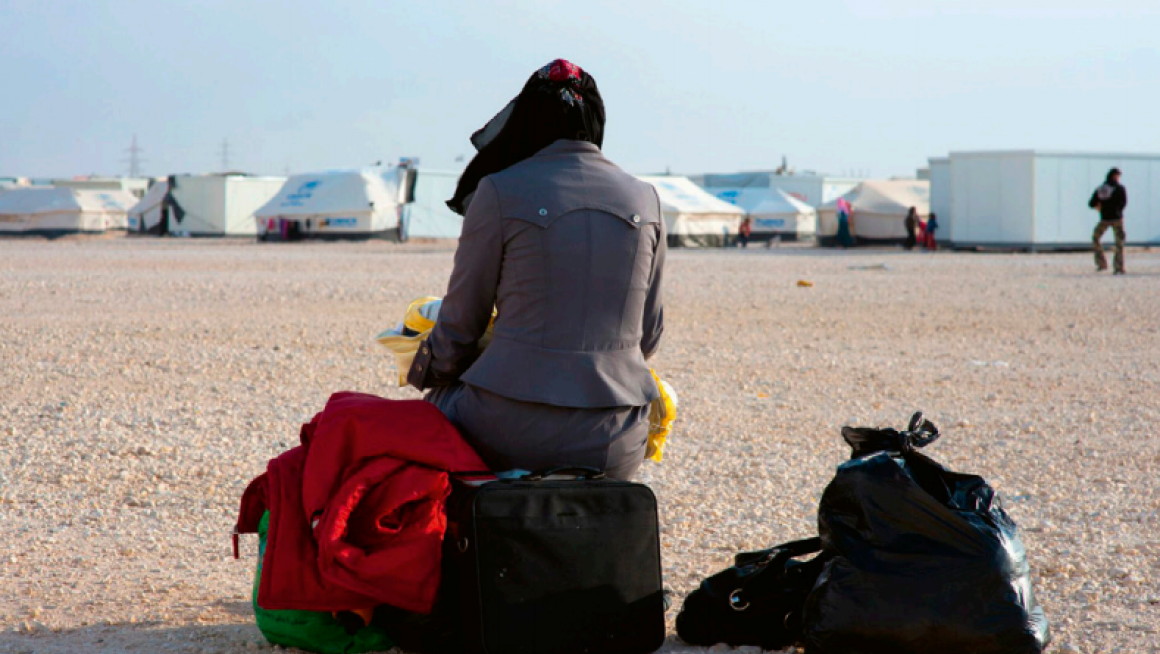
357	512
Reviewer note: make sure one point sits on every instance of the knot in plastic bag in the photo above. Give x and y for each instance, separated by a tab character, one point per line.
865	441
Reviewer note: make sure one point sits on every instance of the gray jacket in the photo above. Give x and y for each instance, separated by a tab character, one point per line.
569	249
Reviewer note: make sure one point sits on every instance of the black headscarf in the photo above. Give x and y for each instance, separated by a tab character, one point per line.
559	101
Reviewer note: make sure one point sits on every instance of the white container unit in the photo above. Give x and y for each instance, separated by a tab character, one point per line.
426	214
1039	200
218	205
939	174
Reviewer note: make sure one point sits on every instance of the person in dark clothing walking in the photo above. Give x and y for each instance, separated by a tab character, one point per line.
1110	199
911	227
744	231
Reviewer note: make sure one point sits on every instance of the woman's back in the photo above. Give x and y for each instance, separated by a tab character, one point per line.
568	250
582	244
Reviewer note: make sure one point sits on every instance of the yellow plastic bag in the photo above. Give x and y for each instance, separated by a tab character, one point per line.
661	415
404	339
419	318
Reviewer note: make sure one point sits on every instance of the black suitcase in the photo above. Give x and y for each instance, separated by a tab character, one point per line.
557	566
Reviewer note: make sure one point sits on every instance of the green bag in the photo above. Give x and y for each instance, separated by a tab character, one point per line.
316	631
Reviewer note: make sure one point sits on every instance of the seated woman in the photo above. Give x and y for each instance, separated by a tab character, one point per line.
568	249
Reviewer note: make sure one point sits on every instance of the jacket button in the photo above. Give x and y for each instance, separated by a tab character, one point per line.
424	350
419	367
636	218
543	212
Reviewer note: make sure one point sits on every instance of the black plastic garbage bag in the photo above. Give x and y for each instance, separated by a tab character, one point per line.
925	560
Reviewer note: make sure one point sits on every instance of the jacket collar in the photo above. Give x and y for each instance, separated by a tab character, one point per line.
568	146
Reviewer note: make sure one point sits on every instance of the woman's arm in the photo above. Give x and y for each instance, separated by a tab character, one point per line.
654	311
467	307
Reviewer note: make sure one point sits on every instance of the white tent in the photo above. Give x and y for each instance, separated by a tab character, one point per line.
333	204
427	214
693	217
879	210
217	205
811	188
135	186
54	211
145	216
782	215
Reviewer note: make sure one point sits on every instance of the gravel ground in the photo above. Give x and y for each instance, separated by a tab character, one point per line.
143	383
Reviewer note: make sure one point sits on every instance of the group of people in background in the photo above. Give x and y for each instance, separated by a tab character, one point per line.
920	232
1109	199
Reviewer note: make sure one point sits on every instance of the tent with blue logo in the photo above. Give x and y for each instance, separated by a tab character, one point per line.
53	211
780	215
339	204
693	217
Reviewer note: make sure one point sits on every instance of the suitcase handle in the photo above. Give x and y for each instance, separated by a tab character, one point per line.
583	472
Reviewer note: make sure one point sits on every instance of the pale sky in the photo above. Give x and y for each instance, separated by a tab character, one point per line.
695	86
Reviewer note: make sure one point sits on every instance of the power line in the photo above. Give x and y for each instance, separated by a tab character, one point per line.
134	158
225	152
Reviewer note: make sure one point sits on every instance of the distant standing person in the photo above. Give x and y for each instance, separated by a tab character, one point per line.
1110	199
744	231
931	226
911	227
845	239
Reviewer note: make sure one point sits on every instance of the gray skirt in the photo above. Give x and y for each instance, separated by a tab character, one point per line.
510	434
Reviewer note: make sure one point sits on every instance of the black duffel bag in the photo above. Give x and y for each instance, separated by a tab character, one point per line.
758	601
923	559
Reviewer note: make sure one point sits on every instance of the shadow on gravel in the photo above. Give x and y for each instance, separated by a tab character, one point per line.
143	638
1094	275
191	639
242	608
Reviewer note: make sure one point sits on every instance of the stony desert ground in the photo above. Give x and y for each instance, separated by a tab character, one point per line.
143	383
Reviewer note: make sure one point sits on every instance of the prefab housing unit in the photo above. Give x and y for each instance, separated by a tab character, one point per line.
425	213
217	205
1039	200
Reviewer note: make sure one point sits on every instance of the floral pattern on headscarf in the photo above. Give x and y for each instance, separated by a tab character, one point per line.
564	71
